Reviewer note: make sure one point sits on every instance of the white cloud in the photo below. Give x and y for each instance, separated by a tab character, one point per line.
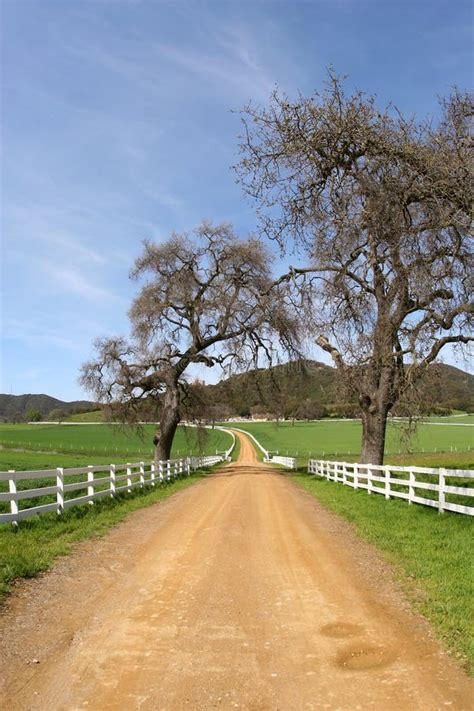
51	228
232	69
34	334
72	281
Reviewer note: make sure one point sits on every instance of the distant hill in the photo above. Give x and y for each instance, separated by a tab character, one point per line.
278	388
282	388
303	388
14	406
449	387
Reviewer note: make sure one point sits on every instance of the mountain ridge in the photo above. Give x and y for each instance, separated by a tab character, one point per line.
288	388
17	406
299	388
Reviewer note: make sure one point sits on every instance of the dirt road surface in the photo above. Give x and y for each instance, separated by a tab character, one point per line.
240	592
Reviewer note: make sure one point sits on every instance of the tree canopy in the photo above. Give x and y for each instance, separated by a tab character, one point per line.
208	299
380	208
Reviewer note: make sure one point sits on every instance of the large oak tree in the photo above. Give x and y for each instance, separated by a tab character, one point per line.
380	208
208	299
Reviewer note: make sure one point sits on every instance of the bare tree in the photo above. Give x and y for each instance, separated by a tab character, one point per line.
57	415
380	207
209	300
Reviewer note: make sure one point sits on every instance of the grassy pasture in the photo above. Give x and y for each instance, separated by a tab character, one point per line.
432	555
95	416
78	446
99	441
331	439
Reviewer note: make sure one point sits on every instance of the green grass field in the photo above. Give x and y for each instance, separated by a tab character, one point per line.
334	439
49	446
432	555
95	416
89	444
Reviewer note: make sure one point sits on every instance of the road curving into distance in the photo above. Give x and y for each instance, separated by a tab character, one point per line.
240	592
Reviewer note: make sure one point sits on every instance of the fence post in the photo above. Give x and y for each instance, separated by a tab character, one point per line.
168	470
129	477
90	482
188	466
387	483
152	473
112	480
344	473
60	492
356	476
13	502
142	474
160	471
411	488
369	480
441	492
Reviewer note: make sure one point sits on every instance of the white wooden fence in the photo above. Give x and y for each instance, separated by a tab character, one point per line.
383	479
115	478
288	462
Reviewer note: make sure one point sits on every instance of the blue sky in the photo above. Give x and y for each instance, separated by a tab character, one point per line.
117	126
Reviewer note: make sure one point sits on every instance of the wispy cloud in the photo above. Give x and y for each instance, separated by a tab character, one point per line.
34	334
52	228
70	280
232	69
223	56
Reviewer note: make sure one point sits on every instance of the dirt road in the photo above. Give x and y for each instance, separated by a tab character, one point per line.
239	592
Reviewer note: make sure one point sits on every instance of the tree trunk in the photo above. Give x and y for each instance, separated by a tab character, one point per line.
373	436
168	423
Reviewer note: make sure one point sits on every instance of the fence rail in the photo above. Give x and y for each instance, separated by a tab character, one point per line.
288	462
118	478
401	482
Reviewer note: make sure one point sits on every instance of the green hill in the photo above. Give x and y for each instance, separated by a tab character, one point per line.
308	386
16	407
277	390
304	389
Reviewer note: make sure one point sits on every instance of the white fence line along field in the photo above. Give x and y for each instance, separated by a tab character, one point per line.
119	478
400	482
288	462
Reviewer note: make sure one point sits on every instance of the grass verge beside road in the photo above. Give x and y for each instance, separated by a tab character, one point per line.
432	555
32	547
